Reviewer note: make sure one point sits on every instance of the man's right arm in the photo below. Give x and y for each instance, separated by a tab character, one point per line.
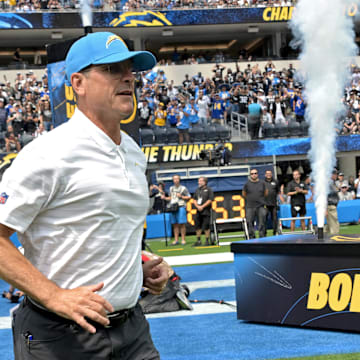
291	191
74	304
244	191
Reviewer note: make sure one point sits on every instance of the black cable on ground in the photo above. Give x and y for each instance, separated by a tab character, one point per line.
213	301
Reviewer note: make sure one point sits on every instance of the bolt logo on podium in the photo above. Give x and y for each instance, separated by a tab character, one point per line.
339	293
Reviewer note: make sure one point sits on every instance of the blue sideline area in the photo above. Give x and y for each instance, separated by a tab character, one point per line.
157	225
348	211
221	336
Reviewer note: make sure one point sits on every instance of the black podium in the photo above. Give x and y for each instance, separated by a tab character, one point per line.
298	280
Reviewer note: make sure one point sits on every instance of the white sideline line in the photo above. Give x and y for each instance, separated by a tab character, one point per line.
210	284
199	259
199	309
5	322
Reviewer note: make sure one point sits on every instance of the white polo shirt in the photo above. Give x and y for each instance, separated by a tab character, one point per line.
78	202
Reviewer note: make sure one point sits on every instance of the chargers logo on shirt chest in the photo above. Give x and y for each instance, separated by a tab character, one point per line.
3	198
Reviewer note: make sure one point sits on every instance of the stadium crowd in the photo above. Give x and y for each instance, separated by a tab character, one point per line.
130	5
25	111
267	95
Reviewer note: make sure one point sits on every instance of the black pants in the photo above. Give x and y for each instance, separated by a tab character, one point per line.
55	338
258	213
272	212
254	126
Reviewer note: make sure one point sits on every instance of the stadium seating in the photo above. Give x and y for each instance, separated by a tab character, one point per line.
304	128
147	136
26	139
197	134
223	132
294	129
160	135
211	133
172	135
268	130
281	130
2	140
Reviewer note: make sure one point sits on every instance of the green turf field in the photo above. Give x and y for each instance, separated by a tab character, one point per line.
327	357
160	248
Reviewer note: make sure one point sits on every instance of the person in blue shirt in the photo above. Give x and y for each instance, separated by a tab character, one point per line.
150	99
276	80
173	113
161	77
183	125
45	91
10	105
151	75
290	94
254	118
299	106
218	110
225	96
191	111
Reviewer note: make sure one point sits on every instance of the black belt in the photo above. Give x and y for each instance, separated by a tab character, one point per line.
119	317
116	318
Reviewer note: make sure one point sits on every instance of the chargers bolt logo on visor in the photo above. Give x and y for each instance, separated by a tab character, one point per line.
112	38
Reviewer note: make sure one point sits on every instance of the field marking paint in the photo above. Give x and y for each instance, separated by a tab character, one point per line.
210	284
5	322
199	309
199	259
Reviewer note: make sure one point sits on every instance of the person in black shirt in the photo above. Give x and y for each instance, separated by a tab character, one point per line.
243	101
273	189
3	115
234	99
158	192
16	56
187	82
145	114
203	198
254	192
297	190
164	98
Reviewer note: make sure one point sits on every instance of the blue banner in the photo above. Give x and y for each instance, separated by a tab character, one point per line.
63	101
154	18
146	18
245	149
61	96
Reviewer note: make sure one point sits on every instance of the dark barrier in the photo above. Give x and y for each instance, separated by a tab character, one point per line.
296	280
348	212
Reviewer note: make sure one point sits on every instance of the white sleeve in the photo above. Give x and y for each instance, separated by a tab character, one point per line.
25	189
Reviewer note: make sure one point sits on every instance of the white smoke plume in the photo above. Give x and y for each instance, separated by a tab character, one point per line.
326	37
86	13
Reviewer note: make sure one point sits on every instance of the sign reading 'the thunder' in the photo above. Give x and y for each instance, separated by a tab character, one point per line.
172	153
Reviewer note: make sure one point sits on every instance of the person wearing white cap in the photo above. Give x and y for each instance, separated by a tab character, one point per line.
344	193
79	214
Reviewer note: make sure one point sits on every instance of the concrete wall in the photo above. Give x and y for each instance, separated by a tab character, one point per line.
347	164
177	72
173	72
11	74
